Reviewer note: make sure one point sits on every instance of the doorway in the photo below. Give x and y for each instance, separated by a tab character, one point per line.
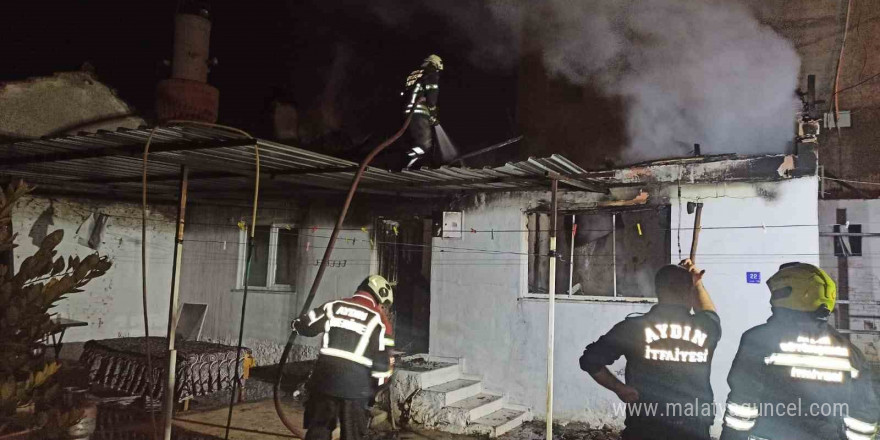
403	249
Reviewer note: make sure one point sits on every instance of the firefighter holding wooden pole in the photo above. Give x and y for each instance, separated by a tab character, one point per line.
668	353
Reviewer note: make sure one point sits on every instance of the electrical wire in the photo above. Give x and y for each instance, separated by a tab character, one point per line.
861	182
150	384
248	258
840	68
861	40
144	257
857	84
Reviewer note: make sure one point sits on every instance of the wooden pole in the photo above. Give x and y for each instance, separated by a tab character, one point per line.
614	253
551	318
168	409
698	225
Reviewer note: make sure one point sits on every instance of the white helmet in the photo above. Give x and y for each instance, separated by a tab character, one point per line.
379	287
435	60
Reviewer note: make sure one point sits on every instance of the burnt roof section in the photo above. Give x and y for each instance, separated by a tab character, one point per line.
109	164
714	169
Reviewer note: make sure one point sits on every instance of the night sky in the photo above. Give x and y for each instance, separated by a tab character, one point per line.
269	50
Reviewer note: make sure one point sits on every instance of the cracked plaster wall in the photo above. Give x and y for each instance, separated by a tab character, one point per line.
210	263
110	304
478	311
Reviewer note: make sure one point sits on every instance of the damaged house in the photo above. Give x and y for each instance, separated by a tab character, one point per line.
468	249
502	274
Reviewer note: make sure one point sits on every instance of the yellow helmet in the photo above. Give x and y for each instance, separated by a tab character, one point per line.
435	60
802	287
379	287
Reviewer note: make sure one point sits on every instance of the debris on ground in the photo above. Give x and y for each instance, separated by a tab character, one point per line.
536	430
419	364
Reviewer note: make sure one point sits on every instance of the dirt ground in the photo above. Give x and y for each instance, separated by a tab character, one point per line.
529	431
256	420
572	431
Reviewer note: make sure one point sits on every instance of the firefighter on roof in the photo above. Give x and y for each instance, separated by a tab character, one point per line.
353	359
422	90
796	377
668	355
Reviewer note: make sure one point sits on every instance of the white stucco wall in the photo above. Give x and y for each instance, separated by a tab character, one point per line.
112	304
478	313
864	273
210	262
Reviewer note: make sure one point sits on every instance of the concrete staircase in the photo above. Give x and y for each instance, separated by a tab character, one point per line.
435	393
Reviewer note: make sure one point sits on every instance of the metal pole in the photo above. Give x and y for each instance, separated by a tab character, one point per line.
614	252
551	318
172	309
571	256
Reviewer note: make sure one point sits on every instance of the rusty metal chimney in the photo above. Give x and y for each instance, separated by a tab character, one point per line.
187	94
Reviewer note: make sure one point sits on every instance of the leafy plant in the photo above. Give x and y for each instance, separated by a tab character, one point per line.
29	394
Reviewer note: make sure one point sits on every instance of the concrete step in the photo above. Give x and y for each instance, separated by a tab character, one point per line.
441	375
500	422
377	417
478	406
453	391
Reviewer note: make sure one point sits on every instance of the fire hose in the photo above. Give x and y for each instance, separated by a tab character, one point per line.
276	391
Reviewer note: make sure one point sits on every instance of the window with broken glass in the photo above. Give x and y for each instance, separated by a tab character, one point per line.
848	245
601	254
273	262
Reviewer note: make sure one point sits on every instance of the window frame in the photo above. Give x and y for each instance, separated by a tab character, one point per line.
848	246
271	265
569	297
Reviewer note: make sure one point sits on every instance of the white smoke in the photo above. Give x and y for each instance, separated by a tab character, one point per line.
690	71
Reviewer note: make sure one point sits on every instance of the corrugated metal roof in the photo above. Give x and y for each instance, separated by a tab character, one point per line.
220	161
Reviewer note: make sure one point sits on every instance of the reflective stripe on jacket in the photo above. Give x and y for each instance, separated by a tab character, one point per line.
797	377
354	346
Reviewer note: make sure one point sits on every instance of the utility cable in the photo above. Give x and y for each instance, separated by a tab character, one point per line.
861	182
144	277
857	84
250	249
170	392
840	67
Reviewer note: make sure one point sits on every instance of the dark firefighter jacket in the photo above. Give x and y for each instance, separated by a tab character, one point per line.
423	83
668	355
789	378
354	350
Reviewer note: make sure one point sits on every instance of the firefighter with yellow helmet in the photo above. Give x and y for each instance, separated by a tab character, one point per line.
354	358
422	91
796	377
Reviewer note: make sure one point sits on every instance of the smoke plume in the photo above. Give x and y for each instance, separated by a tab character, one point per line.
689	71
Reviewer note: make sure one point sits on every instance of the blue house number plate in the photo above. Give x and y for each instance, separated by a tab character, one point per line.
753	277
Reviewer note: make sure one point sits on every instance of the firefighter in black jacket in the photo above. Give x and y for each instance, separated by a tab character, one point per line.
668	355
422	91
353	359
796	377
